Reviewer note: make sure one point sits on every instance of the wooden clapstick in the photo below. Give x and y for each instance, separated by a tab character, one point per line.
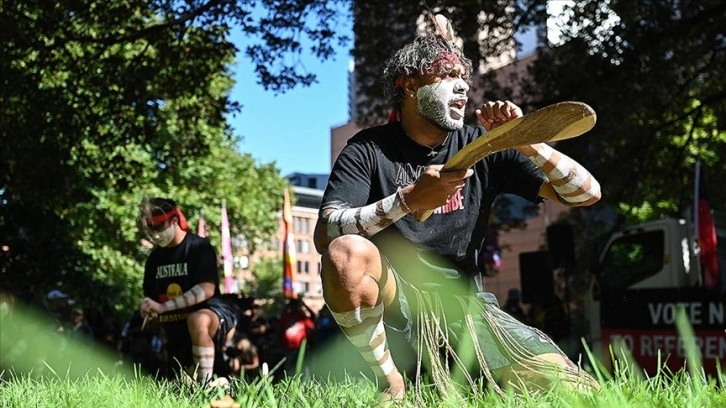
563	120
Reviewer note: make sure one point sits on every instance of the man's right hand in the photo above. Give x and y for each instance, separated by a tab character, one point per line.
148	309
433	188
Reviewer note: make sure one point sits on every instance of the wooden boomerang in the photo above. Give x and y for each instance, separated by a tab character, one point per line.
560	121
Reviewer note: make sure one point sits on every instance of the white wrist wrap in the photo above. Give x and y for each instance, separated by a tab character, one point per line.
572	182
365	221
544	153
189	298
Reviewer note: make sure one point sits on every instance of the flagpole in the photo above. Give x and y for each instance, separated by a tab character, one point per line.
696	220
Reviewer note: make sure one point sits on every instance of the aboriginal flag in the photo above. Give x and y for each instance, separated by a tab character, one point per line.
288	248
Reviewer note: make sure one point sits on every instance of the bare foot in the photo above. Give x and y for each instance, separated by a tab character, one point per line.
393	388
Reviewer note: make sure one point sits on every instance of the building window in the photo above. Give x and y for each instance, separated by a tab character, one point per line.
299	266
307	287
296	224
307	267
305	225
305	247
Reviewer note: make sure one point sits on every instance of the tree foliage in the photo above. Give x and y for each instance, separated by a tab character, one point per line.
382	28
650	69
106	102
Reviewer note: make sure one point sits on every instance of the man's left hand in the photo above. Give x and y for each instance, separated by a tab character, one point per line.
497	113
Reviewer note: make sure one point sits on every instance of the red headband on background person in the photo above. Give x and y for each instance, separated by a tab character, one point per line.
158	219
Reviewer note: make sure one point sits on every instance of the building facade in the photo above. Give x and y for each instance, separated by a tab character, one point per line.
306	267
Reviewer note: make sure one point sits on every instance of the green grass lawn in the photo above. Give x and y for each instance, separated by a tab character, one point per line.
81	376
96	390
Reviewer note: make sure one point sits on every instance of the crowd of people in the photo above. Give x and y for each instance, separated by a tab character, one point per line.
260	339
260	344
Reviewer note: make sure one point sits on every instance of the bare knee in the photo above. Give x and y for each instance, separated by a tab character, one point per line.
351	268
348	257
201	324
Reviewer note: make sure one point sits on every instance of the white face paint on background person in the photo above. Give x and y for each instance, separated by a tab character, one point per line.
443	101
162	237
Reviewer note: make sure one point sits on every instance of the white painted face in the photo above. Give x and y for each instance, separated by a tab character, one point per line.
443	101
163	238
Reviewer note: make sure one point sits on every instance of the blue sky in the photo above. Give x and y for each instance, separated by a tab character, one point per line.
292	129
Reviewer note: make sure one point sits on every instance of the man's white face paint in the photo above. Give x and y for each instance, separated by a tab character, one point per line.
443	102
163	238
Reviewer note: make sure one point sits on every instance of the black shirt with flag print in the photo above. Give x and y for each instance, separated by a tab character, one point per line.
169	272
379	160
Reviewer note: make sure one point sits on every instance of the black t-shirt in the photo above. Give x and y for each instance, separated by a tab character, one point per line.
379	160
169	272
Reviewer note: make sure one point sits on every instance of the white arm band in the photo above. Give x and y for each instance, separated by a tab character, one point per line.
572	182
189	298
364	221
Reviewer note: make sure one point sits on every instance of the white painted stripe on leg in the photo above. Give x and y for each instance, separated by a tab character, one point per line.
357	316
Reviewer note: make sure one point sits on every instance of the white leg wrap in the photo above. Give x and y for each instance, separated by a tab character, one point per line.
204	358
357	316
368	336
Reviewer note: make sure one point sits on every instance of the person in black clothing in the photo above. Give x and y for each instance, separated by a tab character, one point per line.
181	289
79	326
383	270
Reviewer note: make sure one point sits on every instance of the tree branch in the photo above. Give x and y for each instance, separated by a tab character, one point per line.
143	33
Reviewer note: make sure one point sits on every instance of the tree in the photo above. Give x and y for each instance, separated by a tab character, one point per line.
651	70
267	284
103	103
382	28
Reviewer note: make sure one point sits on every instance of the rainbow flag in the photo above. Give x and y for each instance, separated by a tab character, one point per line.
227	252
288	249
